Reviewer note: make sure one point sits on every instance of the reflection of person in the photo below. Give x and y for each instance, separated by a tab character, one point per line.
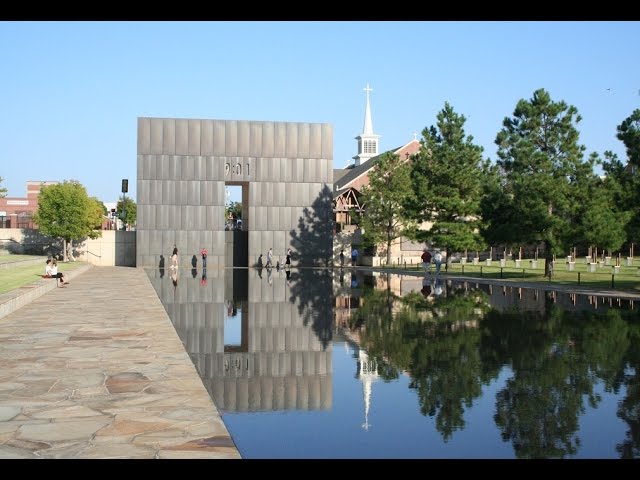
203	281
438	288
232	310
174	257
269	278
426	287
354	281
174	278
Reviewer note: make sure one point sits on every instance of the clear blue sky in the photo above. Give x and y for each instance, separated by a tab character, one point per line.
72	91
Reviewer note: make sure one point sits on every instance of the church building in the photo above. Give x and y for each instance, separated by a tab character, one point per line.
348	182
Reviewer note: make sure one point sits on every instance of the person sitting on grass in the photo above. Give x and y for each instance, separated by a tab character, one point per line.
47	269
56	274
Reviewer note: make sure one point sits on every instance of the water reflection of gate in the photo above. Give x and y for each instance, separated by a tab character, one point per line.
280	364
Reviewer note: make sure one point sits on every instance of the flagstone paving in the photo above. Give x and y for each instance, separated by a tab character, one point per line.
96	370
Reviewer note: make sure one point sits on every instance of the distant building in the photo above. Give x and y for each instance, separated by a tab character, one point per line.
17	212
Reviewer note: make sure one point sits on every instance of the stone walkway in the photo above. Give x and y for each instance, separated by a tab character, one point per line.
96	370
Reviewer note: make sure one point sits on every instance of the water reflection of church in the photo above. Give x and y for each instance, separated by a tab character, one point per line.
277	363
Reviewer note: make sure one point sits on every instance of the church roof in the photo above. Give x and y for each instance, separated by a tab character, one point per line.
354	172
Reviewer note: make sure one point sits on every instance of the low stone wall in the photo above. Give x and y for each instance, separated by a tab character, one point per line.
22	263
13	300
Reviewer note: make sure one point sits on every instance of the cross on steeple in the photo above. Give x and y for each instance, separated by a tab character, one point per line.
415	136
367	141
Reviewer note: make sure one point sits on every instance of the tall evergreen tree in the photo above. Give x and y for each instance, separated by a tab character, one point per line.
3	190
624	178
447	178
543	175
385	218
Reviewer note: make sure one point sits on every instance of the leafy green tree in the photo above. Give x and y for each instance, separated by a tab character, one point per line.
130	210
66	211
98	212
233	208
542	174
384	201
3	190
447	179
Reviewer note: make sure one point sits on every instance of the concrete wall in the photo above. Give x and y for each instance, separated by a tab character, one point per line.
113	248
286	170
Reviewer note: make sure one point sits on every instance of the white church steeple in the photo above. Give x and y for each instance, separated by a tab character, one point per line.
367	140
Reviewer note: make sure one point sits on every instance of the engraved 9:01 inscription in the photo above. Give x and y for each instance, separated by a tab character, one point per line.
235	169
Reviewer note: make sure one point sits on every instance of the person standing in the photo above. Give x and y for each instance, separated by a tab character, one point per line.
341	258
288	260
354	256
269	258
437	258
174	257
426	261
203	252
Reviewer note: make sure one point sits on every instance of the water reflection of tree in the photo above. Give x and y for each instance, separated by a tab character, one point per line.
629	407
436	342
556	360
312	287
557	357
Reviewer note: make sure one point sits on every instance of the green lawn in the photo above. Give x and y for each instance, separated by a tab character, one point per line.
9	257
628	279
13	278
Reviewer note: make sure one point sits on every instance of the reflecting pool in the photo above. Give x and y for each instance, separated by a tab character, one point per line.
334	364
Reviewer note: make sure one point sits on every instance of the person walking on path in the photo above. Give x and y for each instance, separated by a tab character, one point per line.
203	252
341	258
288	260
269	258
354	256
426	261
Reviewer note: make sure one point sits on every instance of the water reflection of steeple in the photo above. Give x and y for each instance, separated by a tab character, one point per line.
367	374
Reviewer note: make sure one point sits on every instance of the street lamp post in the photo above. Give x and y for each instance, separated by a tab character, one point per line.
125	188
